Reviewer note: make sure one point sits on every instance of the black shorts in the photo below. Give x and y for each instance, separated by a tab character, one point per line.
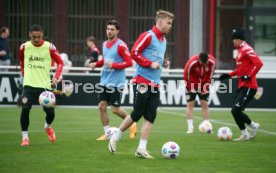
243	97
30	96
192	96
146	101
111	95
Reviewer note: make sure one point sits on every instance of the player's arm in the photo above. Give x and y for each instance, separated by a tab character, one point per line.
100	63
212	66
21	57
124	53
208	79
255	59
187	75
57	58
142	42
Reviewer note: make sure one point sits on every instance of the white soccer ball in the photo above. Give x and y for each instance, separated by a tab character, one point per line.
110	132
47	99
170	150
224	134
205	127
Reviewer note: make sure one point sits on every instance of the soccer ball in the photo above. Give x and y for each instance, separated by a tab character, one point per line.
110	132
170	150
205	127
47	99
224	134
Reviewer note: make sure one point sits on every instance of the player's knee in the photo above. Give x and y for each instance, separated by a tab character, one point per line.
25	110
49	110
235	111
150	119
135	116
115	110
102	106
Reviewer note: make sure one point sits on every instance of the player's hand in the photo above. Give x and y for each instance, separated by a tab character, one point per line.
155	65
54	82
92	65
108	64
245	78
87	62
224	76
166	63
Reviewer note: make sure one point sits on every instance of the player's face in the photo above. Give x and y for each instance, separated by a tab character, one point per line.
165	25
237	42
111	32
36	37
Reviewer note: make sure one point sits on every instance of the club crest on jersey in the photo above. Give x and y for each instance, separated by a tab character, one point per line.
142	89
24	100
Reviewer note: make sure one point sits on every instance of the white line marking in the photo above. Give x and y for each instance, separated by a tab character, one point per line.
217	122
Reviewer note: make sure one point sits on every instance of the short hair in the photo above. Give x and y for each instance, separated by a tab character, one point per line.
114	22
3	29
238	33
36	27
203	57
161	14
91	38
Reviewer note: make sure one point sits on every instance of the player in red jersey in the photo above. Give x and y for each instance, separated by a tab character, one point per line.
248	63
197	74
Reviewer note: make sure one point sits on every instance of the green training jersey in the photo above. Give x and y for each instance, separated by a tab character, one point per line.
37	65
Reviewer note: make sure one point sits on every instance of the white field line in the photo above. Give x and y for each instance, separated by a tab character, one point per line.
171	112
217	121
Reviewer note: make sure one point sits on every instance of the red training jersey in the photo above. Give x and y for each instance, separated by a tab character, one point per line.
199	76
247	63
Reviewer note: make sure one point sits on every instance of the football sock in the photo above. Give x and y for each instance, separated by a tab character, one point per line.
25	134
142	144
46	125
25	118
50	114
252	125
105	128
117	134
244	132
190	123
238	117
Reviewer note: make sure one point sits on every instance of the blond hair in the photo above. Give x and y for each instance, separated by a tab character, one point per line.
161	14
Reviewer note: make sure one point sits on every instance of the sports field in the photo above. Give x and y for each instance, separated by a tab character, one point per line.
77	151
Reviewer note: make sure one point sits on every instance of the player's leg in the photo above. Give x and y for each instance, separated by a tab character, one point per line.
104	98
150	116
50	116
204	98
116	109
27	101
140	102
190	97
248	96
238	115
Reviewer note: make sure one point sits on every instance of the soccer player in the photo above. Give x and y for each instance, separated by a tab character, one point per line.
198	73
248	63
148	52
36	57
116	58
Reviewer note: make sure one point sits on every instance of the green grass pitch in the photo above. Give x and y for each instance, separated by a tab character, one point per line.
77	151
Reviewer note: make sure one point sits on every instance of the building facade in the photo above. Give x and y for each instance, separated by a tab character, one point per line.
199	25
